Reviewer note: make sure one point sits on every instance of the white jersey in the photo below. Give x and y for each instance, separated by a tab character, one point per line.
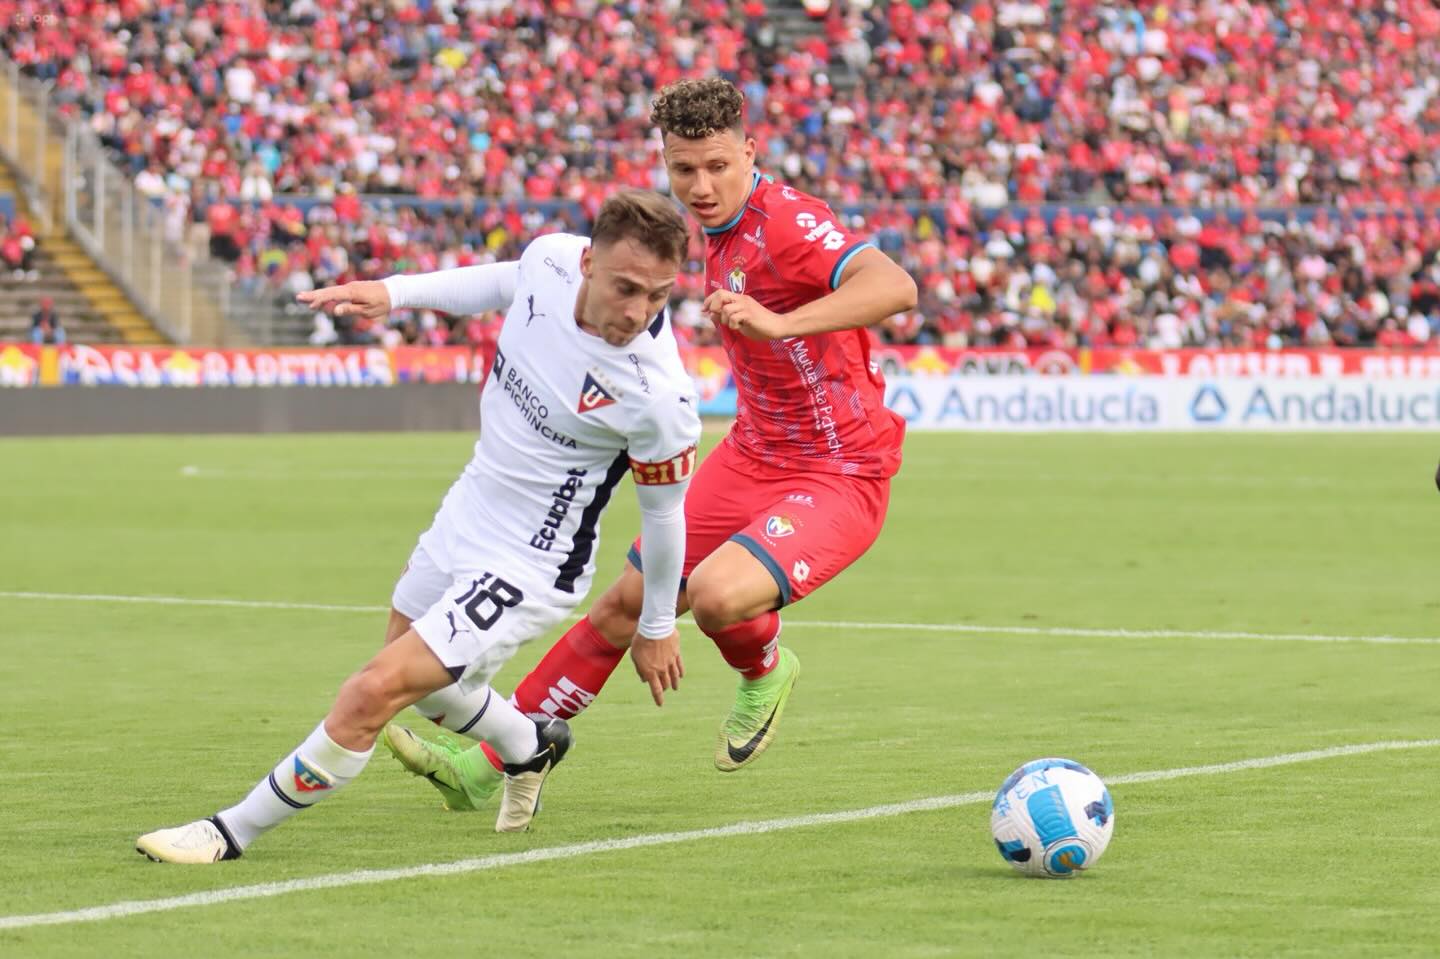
563	417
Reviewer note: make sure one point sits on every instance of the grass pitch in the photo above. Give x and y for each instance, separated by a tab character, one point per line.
121	717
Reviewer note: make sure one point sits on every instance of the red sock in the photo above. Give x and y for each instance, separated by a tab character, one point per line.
751	646
570	676
493	756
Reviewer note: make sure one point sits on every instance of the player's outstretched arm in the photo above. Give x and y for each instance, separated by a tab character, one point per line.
871	288
462	291
368	299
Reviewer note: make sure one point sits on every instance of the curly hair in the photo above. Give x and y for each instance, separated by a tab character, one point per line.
695	109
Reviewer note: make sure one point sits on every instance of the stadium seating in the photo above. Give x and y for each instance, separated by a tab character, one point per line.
955	132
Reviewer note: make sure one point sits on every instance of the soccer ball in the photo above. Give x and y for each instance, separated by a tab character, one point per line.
1052	818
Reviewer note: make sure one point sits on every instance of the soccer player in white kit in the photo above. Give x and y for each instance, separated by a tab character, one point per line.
587	385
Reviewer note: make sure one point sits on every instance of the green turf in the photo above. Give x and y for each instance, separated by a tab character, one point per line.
122	718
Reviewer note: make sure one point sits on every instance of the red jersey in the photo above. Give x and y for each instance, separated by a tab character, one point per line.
812	403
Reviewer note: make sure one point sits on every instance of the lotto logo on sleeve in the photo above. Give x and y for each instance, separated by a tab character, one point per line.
674	470
307	779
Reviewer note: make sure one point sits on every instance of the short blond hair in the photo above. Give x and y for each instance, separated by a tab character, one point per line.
646	217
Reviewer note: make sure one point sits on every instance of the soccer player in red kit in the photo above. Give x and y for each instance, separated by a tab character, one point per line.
798	489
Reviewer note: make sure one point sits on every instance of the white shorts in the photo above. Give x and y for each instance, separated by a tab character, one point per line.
476	616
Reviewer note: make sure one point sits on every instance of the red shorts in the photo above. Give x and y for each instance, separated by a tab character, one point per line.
804	527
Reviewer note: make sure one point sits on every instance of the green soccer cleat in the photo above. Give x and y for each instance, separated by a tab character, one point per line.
755	716
462	774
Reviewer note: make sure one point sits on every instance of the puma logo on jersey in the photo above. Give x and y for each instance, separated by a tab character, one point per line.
593	396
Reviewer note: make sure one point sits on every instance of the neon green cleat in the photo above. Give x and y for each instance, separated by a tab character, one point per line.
755	716
462	774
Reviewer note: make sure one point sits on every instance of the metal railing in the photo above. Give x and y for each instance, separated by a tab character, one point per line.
140	244
24	139
128	234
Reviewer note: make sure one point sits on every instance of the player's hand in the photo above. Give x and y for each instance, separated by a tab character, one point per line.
657	661
742	314
363	298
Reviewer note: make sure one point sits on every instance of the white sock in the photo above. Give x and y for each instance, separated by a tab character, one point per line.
316	769
485	715
456	711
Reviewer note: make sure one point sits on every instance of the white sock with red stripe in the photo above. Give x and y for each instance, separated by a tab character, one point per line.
316	769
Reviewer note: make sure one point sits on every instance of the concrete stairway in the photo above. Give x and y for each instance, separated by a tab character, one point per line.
92	306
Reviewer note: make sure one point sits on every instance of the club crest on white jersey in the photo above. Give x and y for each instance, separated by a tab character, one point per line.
594	396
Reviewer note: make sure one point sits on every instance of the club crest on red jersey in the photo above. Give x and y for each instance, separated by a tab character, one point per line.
736	281
593	396
779	526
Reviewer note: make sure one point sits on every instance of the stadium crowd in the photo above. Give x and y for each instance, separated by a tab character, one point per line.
18	248
937	126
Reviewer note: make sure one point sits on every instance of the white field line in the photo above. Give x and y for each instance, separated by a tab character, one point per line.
362	877
1112	633
964	628
188	601
295	476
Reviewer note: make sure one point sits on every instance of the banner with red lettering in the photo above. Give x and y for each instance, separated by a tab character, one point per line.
75	365
26	365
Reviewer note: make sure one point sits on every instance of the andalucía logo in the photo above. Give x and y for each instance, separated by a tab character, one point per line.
1208	406
593	396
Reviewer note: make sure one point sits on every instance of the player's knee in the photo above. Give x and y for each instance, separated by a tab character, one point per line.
716	605
367	699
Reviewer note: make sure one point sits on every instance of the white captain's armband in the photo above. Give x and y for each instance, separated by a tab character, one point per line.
677	469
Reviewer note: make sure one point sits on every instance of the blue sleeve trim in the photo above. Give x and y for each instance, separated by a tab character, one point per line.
768	562
840	267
